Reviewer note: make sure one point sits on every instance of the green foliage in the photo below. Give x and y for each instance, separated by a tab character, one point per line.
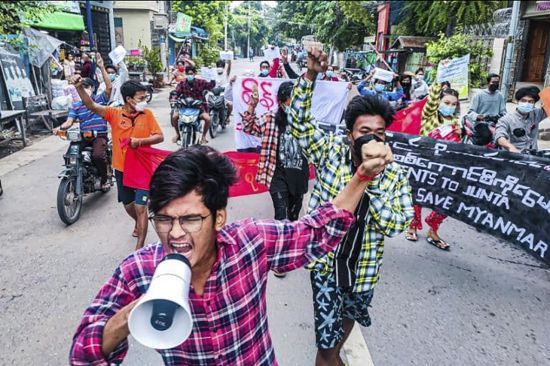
341	24
14	15
152	58
429	18
208	15
460	45
238	26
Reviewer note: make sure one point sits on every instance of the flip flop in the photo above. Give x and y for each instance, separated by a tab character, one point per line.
440	244
411	236
135	234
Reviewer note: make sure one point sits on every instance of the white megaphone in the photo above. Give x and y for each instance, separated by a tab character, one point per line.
162	317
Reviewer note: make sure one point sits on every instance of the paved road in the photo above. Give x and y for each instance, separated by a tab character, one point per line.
483	303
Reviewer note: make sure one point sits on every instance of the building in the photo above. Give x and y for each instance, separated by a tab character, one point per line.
141	21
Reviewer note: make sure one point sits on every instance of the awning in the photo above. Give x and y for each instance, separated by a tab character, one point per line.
411	42
176	39
41	46
60	20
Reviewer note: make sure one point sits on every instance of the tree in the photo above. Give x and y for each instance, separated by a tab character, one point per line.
339	24
15	15
429	18
210	16
460	45
238	26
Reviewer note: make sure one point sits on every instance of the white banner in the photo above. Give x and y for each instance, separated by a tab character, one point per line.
382	74
455	72
271	53
328	103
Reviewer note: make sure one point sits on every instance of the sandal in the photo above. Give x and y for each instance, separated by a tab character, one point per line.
204	141
411	236
135	233
440	244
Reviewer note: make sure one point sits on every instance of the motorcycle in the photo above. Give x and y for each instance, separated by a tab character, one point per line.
481	132
79	176
217	110
189	124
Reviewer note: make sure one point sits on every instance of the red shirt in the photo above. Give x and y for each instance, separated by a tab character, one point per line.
195	90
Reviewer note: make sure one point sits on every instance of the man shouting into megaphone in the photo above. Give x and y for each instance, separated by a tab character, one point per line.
229	263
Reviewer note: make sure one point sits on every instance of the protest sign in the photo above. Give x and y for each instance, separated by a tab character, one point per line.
382	74
271	54
208	73
18	84
504	194
309	45
183	23
328	103
117	55
455	72
226	55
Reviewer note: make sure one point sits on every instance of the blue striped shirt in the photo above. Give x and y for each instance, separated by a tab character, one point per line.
89	121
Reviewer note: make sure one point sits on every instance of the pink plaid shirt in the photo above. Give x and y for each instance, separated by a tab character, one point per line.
230	318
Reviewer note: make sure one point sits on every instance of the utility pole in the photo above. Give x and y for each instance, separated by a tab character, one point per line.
512	31
225	25
248	35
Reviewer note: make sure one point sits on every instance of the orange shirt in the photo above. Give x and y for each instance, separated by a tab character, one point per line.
123	126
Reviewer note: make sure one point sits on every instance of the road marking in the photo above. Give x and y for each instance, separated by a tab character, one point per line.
356	350
30	153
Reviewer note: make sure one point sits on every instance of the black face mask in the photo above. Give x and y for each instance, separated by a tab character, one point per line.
365	139
493	87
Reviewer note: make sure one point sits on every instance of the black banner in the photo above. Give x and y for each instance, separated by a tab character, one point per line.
506	195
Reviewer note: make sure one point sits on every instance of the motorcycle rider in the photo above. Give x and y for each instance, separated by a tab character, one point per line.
178	74
488	102
136	124
90	121
223	69
194	87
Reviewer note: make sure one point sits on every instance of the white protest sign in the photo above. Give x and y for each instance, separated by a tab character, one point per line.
309	45
328	103
208	73
271	54
456	73
382	74
226	55
117	55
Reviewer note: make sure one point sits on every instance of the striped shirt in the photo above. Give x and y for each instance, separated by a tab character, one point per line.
390	207
230	318
89	121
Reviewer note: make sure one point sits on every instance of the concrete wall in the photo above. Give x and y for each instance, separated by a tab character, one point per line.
136	25
137	5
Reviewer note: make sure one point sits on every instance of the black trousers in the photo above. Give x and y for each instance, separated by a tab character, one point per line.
286	205
99	156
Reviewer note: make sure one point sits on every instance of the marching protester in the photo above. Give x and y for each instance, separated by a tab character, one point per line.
193	87
90	121
420	88
406	84
138	125
329	74
519	130
343	281
282	167
223	70
185	57
178	75
117	76
440	110
229	263
379	89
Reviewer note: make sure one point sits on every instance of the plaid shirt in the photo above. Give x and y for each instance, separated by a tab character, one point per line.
269	133
230	318
195	90
391	207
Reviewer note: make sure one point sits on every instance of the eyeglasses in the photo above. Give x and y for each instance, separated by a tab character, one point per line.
190	224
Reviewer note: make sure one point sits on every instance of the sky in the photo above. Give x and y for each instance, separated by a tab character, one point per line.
234	4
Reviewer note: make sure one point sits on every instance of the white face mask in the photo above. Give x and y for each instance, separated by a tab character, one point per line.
219	70
140	107
420	77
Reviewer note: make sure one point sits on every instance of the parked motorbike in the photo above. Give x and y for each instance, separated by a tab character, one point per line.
189	124
217	109
79	176
149	91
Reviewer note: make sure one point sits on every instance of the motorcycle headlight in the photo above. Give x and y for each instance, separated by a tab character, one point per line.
73	135
187	119
72	160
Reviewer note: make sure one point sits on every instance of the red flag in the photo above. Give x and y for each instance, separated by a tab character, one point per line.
141	163
408	120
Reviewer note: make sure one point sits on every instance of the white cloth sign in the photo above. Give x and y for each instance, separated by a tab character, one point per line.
382	74
327	105
456	73
271	54
209	73
226	55
117	55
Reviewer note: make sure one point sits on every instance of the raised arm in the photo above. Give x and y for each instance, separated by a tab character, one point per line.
361	88
430	110
312	140
105	75
88	102
249	118
289	71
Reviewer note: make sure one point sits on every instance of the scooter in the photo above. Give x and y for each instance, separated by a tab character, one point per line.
217	109
79	176
189	124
